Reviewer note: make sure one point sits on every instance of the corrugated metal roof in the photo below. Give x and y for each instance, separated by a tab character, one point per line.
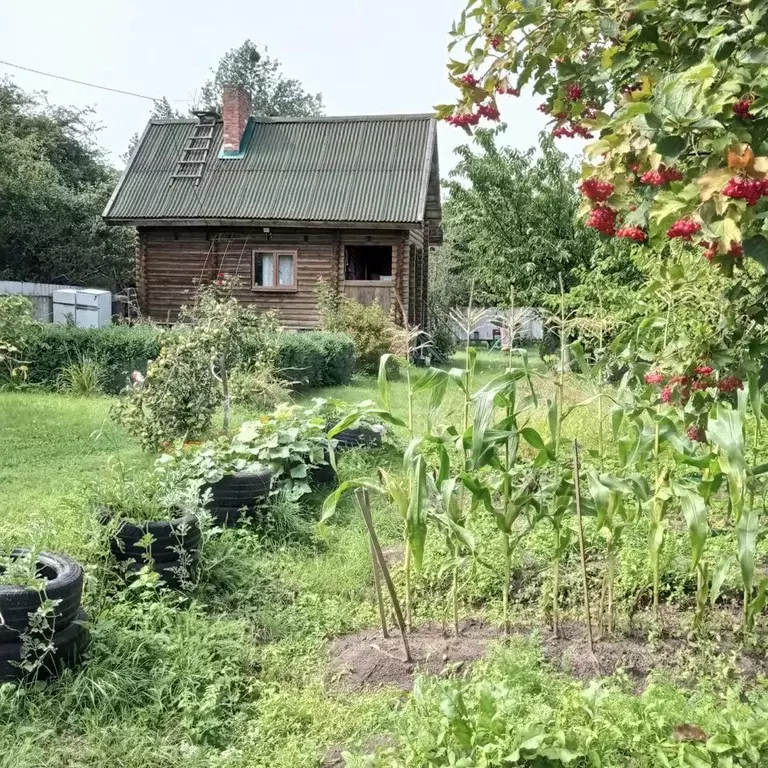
346	169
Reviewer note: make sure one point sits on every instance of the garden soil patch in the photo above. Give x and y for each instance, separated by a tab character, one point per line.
634	654
367	660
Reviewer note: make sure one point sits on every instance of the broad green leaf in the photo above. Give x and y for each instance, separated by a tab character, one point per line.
718	578
671	146
416	521
384	381
756	248
533	438
332	501
695	513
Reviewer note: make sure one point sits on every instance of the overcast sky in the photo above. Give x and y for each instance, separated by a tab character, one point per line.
364	56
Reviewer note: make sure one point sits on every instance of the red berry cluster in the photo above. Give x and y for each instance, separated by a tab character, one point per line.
489	111
219	279
704	370
470	80
697	434
543	108
661	176
463	118
596	190
508	90
684	229
743	188
571	131
730	383
496	42
666	395
603	219
573	92
653	377
741	108
735	251
632	233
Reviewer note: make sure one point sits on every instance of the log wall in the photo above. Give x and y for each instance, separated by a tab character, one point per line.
170	262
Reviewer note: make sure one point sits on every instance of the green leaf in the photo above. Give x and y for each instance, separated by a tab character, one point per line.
718	578
416	521
384	381
756	248
332	501
533	438
609	27
753	55
671	146
695	513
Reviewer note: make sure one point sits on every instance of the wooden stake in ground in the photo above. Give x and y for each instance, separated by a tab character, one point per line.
580	529
365	507
379	596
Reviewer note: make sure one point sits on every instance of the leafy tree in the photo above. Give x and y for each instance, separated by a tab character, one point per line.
273	94
161	110
511	219
54	183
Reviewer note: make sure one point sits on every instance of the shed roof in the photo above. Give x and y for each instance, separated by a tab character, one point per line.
321	169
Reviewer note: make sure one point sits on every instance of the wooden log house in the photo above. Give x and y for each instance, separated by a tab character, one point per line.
283	203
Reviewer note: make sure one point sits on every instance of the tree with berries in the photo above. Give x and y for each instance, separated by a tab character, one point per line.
674	96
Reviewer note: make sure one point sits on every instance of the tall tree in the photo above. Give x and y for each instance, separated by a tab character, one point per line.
273	94
54	183
511	219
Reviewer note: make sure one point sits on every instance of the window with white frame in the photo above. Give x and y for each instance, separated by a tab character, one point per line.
274	270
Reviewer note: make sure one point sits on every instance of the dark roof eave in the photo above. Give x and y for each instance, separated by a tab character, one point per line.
278	223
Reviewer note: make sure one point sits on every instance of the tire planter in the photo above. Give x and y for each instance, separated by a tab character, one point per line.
167	535
70	644
323	474
65	583
238	496
356	437
162	555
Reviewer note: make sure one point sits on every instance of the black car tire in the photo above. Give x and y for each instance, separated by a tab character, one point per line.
65	584
224	516
356	437
70	644
167	535
240	488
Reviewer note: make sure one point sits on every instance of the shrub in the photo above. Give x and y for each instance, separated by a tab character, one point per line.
18	325
369	326
316	358
118	350
178	397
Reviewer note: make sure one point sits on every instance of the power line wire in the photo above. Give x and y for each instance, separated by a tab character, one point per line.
89	85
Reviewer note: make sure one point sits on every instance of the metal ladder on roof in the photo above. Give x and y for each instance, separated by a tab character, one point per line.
195	153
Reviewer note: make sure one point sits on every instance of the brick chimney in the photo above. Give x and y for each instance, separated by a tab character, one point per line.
236	111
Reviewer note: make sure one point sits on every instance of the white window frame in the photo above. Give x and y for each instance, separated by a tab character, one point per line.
276	254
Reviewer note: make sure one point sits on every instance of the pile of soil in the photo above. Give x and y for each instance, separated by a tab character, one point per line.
368	660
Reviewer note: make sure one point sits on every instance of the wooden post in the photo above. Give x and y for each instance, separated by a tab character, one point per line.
365	507
580	530
377	589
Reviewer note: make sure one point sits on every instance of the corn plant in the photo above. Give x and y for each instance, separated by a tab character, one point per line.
727	433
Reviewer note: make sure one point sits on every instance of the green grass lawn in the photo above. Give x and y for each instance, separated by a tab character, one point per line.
235	674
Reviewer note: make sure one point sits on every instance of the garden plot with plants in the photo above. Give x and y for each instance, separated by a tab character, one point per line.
509	560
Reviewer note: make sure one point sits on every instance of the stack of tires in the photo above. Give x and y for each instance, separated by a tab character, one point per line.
238	495
63	636
172	551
